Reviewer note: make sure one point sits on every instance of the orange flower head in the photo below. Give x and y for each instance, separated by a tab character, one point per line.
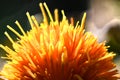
57	50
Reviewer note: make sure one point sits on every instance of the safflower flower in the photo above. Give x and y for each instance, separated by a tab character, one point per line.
57	50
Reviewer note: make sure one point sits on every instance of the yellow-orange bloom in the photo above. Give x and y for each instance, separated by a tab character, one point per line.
57	50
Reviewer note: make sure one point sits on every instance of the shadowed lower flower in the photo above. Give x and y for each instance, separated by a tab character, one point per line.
57	50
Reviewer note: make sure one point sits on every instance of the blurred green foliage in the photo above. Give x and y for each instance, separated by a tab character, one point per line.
114	39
